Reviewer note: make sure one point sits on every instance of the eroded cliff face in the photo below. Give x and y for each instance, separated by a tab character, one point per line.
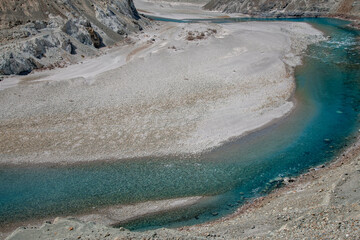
46	33
300	8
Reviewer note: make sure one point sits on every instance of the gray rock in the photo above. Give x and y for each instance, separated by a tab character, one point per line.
68	46
77	31
47	34
16	65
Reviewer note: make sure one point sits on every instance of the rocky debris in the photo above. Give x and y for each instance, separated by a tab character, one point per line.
39	51
355	24
287	8
77	31
68	46
196	35
83	32
21	58
10	64
41	34
321	204
95	38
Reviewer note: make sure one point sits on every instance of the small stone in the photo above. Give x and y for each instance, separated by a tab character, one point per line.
71	228
215	213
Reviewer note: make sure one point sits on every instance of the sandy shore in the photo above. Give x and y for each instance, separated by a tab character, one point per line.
178	89
112	215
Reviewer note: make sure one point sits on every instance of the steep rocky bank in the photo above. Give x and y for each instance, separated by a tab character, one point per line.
45	34
292	8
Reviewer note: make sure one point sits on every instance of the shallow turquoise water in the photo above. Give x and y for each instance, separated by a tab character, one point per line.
328	94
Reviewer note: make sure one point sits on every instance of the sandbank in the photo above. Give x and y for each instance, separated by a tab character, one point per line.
175	89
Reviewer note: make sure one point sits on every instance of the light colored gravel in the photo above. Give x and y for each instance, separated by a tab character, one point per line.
182	88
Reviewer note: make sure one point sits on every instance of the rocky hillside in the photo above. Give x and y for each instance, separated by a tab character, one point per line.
47	33
298	8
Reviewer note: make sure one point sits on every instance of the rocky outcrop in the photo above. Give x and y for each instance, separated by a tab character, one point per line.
78	31
35	52
45	33
285	8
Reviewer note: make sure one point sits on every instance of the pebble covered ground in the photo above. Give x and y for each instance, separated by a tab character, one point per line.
321	204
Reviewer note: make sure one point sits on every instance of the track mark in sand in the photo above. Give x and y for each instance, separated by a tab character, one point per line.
135	51
144	11
223	16
32	79
165	29
327	198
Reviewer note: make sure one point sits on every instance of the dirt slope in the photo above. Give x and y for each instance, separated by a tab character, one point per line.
349	8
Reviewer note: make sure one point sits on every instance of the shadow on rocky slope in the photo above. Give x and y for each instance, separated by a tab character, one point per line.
45	33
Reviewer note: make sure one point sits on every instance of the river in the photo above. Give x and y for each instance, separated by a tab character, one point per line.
325	121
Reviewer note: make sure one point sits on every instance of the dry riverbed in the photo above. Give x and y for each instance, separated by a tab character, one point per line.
178	89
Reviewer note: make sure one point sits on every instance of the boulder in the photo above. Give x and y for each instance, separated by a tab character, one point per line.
68	46
77	31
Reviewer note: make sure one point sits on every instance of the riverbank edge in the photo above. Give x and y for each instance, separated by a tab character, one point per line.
346	156
65	226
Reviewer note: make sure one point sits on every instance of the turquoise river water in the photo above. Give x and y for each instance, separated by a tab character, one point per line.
324	123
